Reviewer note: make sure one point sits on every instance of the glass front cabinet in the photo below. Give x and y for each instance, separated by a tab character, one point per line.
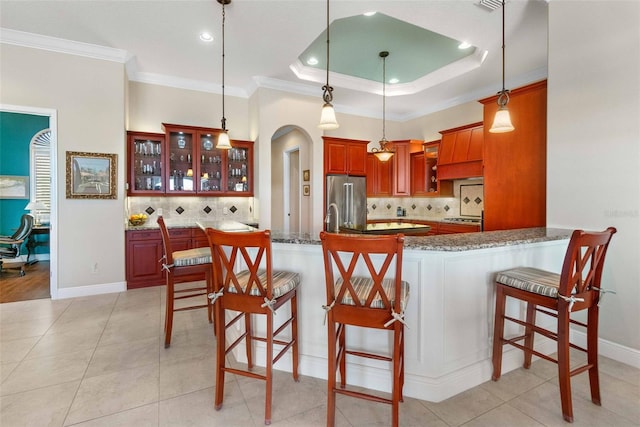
191	165
146	163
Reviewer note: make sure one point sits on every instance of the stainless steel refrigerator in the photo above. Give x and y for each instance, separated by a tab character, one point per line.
346	200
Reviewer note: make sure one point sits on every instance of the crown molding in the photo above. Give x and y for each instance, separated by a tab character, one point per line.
182	83
54	44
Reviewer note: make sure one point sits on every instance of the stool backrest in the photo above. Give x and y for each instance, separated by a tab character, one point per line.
166	242
584	260
343	253
253	249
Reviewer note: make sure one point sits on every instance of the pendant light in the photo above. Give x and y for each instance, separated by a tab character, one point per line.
502	120
328	116
223	139
384	153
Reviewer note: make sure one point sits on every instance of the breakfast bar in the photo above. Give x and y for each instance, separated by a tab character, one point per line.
449	316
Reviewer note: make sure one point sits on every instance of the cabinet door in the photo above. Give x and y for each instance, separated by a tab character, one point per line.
475	144
145	162
181	147
211	173
240	168
143	252
335	157
402	169
419	184
357	159
379	177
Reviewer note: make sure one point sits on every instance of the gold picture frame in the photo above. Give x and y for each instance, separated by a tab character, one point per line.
306	175
91	175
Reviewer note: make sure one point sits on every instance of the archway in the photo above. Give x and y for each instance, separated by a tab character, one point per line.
291	164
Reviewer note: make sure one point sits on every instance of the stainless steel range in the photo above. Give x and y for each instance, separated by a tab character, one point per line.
468	220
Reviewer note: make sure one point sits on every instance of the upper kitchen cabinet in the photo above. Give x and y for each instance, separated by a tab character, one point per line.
461	152
424	173
515	162
379	177
184	161
402	165
345	156
145	153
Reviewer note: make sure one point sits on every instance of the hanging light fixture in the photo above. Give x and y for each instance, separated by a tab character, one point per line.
502	120
328	116
383	153
223	139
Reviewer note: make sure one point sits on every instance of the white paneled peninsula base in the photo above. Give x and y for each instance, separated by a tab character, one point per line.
449	316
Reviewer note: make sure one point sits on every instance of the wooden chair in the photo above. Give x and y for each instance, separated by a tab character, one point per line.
576	288
178	264
371	300
255	289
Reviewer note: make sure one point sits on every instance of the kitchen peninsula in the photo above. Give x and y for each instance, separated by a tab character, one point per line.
449	315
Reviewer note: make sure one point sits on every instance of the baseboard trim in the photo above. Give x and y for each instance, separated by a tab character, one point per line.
620	353
89	290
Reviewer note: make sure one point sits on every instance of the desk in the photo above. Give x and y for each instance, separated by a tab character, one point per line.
32	242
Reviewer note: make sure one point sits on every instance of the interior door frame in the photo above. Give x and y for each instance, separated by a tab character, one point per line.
286	186
53	232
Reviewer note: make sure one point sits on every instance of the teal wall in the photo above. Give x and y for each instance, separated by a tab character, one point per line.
16	131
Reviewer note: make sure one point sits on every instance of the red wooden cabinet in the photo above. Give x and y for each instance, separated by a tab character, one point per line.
515	171
448	228
144	253
345	156
379	177
424	173
402	165
461	151
195	166
145	162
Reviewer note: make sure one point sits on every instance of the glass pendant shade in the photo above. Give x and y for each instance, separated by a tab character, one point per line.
502	121
223	141
384	155
328	118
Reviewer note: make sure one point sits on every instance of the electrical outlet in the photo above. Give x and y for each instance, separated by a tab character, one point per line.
225	211
438	210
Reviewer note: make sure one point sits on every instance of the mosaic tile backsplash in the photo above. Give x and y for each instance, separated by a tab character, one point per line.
193	208
431	208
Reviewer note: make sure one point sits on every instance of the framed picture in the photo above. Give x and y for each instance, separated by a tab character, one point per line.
91	175
305	175
306	190
14	187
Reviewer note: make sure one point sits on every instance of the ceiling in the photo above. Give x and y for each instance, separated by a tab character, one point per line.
267	43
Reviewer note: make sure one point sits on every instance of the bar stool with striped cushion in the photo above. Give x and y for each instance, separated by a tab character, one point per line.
364	288
178	264
576	288
255	289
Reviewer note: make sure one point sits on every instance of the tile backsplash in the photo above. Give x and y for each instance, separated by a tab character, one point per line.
193	208
433	208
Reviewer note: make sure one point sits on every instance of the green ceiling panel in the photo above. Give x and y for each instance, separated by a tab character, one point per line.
356	42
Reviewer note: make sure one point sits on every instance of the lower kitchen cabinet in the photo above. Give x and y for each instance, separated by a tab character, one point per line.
144	253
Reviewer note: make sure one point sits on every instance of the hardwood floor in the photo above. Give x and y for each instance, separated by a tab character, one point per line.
33	285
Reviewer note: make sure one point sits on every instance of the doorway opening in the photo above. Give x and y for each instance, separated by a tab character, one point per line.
23	112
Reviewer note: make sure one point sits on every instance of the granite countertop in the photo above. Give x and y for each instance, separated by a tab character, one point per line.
225	225
388	228
453	242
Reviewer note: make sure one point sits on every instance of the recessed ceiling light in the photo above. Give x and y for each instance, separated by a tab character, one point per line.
312	61
371	13
464	45
206	37
393	81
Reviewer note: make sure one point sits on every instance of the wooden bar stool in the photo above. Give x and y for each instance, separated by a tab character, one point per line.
370	300
255	289
179	264
576	288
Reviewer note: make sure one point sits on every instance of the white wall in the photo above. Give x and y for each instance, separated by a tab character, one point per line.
89	96
593	143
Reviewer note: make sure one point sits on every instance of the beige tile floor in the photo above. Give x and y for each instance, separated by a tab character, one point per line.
99	361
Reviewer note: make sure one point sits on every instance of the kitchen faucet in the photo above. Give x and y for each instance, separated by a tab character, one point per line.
327	218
